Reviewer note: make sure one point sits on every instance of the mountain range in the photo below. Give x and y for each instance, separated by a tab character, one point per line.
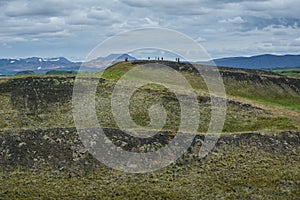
36	64
43	65
266	61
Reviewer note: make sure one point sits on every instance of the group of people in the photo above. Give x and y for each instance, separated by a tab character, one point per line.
156	58
162	58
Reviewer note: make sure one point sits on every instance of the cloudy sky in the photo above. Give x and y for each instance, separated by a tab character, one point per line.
72	28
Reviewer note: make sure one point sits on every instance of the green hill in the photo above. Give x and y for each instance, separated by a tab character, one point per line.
256	157
61	72
255	100
28	72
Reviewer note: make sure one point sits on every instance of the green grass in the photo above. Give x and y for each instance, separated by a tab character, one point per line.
238	119
117	70
292	72
266	92
291	104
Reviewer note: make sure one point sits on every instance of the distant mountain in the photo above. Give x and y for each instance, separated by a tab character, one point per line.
117	57
43	65
36	64
104	62
266	61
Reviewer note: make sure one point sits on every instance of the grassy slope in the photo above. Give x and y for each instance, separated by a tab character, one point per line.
37	101
248	86
45	102
247	168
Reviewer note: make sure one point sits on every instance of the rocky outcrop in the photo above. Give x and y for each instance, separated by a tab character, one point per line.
63	147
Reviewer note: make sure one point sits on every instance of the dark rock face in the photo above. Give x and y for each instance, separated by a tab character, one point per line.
285	142
56	147
34	94
63	147
254	76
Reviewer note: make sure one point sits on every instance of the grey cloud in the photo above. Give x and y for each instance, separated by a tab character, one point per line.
30	8
225	27
93	17
175	7
104	16
273	8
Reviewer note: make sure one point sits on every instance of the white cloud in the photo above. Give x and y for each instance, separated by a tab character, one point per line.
235	20
200	39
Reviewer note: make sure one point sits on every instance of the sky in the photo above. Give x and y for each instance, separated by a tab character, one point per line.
72	28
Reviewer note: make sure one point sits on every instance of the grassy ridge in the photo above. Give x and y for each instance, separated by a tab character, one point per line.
32	102
250	84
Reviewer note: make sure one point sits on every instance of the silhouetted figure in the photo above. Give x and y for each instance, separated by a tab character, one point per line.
148	58
126	59
178	59
162	58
